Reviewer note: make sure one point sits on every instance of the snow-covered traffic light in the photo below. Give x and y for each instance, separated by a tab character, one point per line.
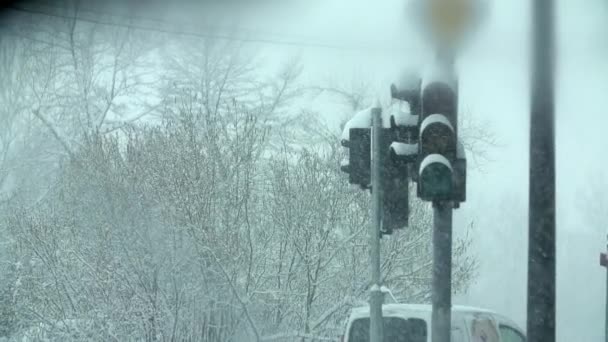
460	176
402	147
398	138
438	142
356	136
408	89
405	121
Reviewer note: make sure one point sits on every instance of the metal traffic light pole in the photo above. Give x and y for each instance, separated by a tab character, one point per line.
376	297
442	173
541	238
442	251
442	271
604	263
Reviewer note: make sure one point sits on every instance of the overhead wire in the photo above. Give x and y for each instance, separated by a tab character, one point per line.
131	16
201	35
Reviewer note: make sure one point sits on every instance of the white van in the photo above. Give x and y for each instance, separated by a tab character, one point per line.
412	323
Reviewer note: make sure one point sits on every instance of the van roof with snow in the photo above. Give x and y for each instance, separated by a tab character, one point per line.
412	322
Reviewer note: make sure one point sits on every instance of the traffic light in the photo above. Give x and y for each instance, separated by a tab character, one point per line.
438	142
419	143
396	143
460	176
358	164
357	138
402	151
409	92
401	145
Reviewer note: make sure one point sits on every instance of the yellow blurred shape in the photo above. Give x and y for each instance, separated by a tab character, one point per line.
450	18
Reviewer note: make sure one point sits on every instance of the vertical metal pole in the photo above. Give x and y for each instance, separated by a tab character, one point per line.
442	272
541	238
441	324
606	311
376	326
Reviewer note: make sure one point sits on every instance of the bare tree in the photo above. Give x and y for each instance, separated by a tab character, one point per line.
14	56
84	77
198	224
322	248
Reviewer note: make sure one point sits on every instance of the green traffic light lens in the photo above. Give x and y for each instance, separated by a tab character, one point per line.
435	181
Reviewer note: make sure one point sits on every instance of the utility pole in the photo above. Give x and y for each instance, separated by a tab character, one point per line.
375	304
604	263
442	271
541	238
441	179
442	160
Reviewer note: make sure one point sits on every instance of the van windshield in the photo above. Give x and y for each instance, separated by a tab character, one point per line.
395	330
